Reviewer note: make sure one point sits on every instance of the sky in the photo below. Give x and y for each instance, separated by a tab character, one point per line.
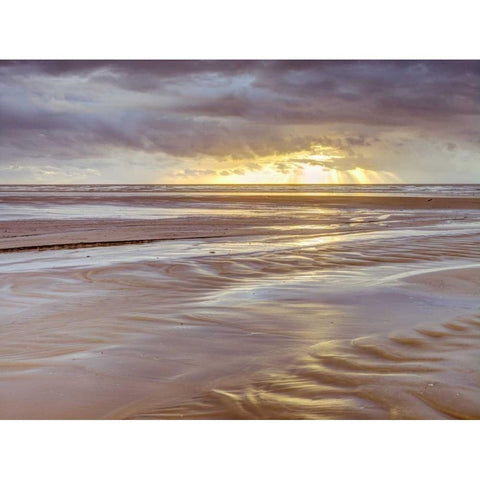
239	121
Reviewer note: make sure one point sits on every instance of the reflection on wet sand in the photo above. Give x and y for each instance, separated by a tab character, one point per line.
428	372
292	312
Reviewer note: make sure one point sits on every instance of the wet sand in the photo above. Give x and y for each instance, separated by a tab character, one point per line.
239	306
244	216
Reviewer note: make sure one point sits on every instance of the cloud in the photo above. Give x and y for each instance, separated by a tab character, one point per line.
369	114
194	172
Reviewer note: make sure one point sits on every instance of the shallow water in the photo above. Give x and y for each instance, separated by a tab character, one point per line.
389	189
358	313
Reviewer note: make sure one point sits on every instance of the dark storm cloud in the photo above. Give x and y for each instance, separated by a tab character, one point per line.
160	69
67	110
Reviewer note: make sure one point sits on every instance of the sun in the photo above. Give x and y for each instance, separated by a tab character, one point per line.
315	166
315	174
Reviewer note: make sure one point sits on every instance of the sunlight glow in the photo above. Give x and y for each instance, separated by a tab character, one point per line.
315	166
309	174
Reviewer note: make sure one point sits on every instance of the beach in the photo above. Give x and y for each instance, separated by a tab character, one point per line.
148	302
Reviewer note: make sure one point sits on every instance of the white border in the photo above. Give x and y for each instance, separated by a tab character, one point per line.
256	29
239	450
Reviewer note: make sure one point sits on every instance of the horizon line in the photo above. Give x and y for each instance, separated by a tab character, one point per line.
237	184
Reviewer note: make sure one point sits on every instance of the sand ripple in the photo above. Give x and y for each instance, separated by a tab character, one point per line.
430	372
